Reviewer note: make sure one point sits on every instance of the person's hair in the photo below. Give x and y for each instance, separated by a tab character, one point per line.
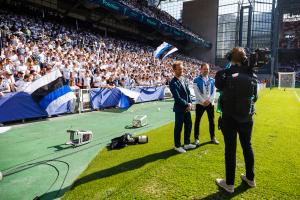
72	82
176	63
26	76
238	55
203	64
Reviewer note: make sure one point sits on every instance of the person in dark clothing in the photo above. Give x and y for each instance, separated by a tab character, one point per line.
182	107
238	85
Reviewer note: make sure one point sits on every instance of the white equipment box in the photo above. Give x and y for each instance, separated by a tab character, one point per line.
79	137
139	121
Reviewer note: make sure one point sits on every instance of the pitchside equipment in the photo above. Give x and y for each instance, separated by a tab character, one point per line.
139	121
79	137
127	139
142	139
286	79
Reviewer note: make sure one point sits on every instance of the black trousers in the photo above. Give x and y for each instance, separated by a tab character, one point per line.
210	113
180	119
230	127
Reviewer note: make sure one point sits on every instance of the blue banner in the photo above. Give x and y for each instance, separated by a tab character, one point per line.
105	98
150	93
18	106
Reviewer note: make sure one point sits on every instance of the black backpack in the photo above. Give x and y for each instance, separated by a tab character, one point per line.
239	94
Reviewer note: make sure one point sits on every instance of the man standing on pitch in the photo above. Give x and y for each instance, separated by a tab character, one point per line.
204	87
182	107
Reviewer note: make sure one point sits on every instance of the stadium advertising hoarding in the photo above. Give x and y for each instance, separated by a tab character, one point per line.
150	21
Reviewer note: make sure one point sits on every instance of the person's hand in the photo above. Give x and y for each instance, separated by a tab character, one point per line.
206	103
188	108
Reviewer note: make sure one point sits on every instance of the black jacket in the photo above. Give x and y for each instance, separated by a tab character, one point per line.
238	86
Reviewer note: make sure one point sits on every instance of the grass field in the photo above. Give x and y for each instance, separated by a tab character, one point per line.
155	171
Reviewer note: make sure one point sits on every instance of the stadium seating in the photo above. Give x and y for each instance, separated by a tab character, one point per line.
142	5
290	36
32	47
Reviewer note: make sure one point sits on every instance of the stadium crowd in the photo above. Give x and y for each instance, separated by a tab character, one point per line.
161	15
32	47
290	36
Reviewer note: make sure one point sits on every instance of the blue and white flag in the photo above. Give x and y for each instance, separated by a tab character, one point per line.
50	92
164	50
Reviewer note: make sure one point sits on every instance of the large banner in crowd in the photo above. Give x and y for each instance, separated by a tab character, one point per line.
50	92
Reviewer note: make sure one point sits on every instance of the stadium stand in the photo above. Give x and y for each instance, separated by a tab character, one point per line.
290	37
151	11
32	47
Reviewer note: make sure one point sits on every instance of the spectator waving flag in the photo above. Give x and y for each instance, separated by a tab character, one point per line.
49	91
164	50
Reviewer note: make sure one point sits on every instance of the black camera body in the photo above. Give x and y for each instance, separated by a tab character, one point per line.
254	59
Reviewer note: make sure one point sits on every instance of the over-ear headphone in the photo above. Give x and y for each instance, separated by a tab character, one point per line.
244	60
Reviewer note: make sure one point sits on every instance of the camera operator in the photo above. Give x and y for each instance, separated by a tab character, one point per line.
238	85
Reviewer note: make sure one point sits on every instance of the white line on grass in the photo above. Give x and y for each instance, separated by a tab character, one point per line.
297	96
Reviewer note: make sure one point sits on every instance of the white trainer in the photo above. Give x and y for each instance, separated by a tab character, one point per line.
189	146
250	183
180	149
222	183
197	143
215	141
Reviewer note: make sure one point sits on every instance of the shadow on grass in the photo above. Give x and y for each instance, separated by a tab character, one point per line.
54	194
221	194
129	127
205	143
132	127
60	147
124	167
114	110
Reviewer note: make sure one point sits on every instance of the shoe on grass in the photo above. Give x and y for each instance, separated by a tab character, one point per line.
249	182
189	146
222	183
215	141
180	149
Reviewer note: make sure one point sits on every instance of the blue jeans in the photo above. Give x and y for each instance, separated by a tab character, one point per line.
180	119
